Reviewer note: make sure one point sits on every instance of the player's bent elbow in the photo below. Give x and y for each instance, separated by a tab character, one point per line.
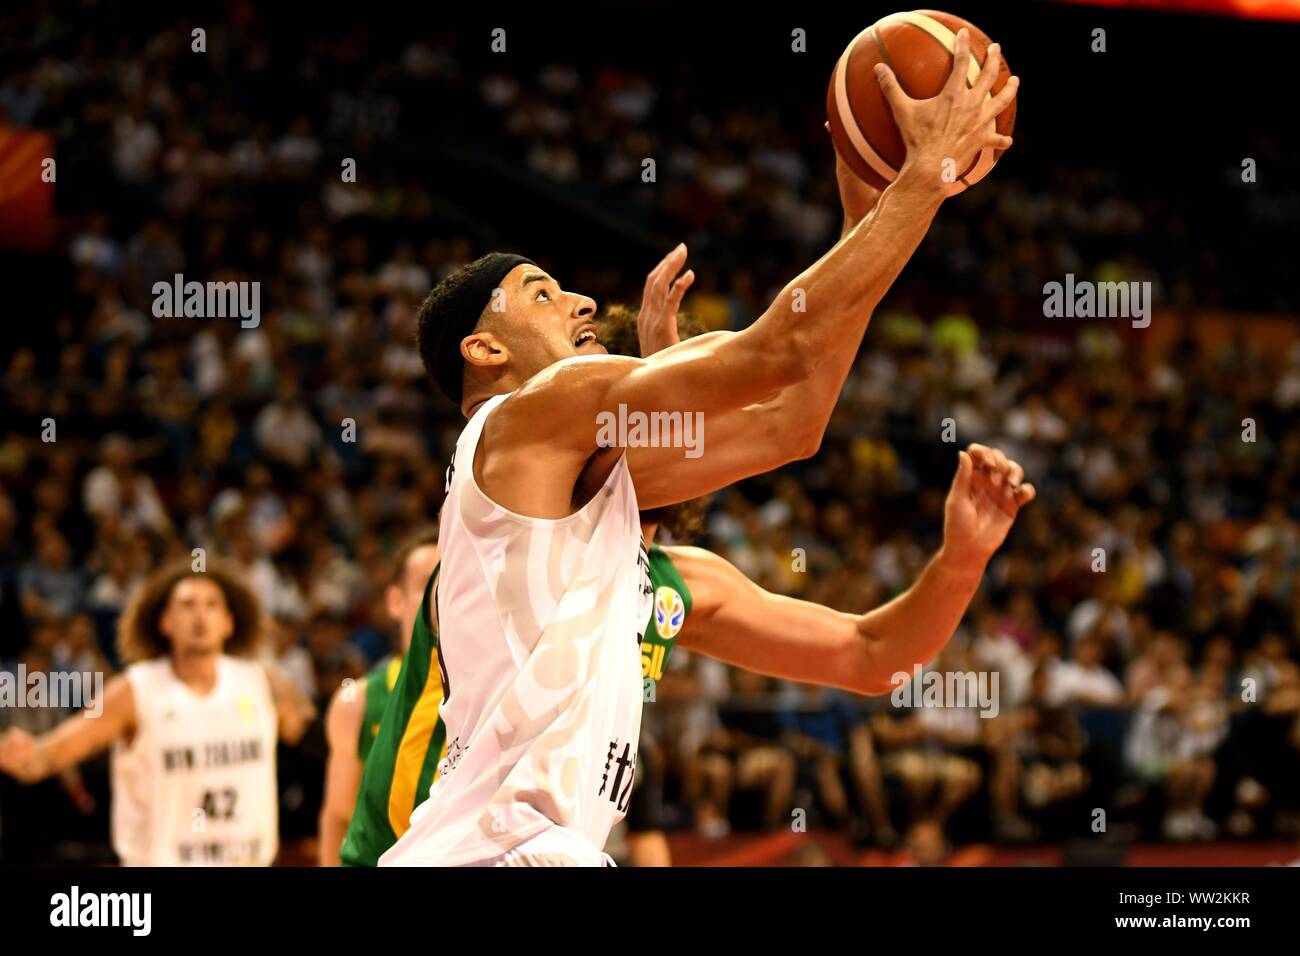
867	677
804	354
873	686
778	360
789	432
809	444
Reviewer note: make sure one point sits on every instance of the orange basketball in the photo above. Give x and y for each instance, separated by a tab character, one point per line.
918	47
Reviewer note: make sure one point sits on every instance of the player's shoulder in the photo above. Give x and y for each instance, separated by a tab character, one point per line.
146	678
118	690
347	705
569	383
249	670
150	667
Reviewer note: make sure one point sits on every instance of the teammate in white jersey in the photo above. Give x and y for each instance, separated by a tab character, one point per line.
193	727
544	594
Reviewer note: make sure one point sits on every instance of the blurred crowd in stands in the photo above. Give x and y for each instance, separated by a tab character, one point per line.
1143	618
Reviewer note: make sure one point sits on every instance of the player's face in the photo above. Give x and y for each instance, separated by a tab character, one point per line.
196	618
545	324
404	600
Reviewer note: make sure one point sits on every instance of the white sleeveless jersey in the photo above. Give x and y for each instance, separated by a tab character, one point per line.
196	786
540	623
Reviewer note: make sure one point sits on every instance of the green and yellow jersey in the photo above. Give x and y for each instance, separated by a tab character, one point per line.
401	742
379	685
402	760
672	604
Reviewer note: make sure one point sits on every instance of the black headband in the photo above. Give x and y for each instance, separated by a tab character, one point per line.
461	313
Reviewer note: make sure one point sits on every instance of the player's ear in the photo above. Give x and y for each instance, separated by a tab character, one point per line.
482	348
393	602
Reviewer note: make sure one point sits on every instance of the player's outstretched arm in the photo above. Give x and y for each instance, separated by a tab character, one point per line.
31	759
547	433
819	314
787	426
736	621
342	770
822	314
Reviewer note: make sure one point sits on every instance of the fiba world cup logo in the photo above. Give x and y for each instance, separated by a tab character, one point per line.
669	612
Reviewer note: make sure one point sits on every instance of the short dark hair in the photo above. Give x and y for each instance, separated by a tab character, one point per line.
420	538
452	311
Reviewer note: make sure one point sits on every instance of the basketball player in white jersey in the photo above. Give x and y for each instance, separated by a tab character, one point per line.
193	727
545	594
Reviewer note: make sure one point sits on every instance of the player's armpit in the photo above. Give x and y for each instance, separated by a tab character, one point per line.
736	621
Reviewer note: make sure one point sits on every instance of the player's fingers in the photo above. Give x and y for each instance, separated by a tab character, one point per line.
678	290
960	62
965	470
996	140
890	87
652	282
989	71
1015	474
1001	99
668	266
982	455
1025	494
997	478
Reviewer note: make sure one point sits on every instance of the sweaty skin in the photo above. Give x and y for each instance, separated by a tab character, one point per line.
538	455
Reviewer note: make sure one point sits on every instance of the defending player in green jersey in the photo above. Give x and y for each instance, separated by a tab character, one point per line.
355	713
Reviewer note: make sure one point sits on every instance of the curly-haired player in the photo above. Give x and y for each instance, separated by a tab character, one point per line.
192	722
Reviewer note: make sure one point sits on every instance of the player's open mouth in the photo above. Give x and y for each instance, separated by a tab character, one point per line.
586	337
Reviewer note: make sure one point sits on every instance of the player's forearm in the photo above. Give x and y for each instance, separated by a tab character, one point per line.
41	765
342	782
913	628
839	293
797	417
803	410
333	830
59	750
831	301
